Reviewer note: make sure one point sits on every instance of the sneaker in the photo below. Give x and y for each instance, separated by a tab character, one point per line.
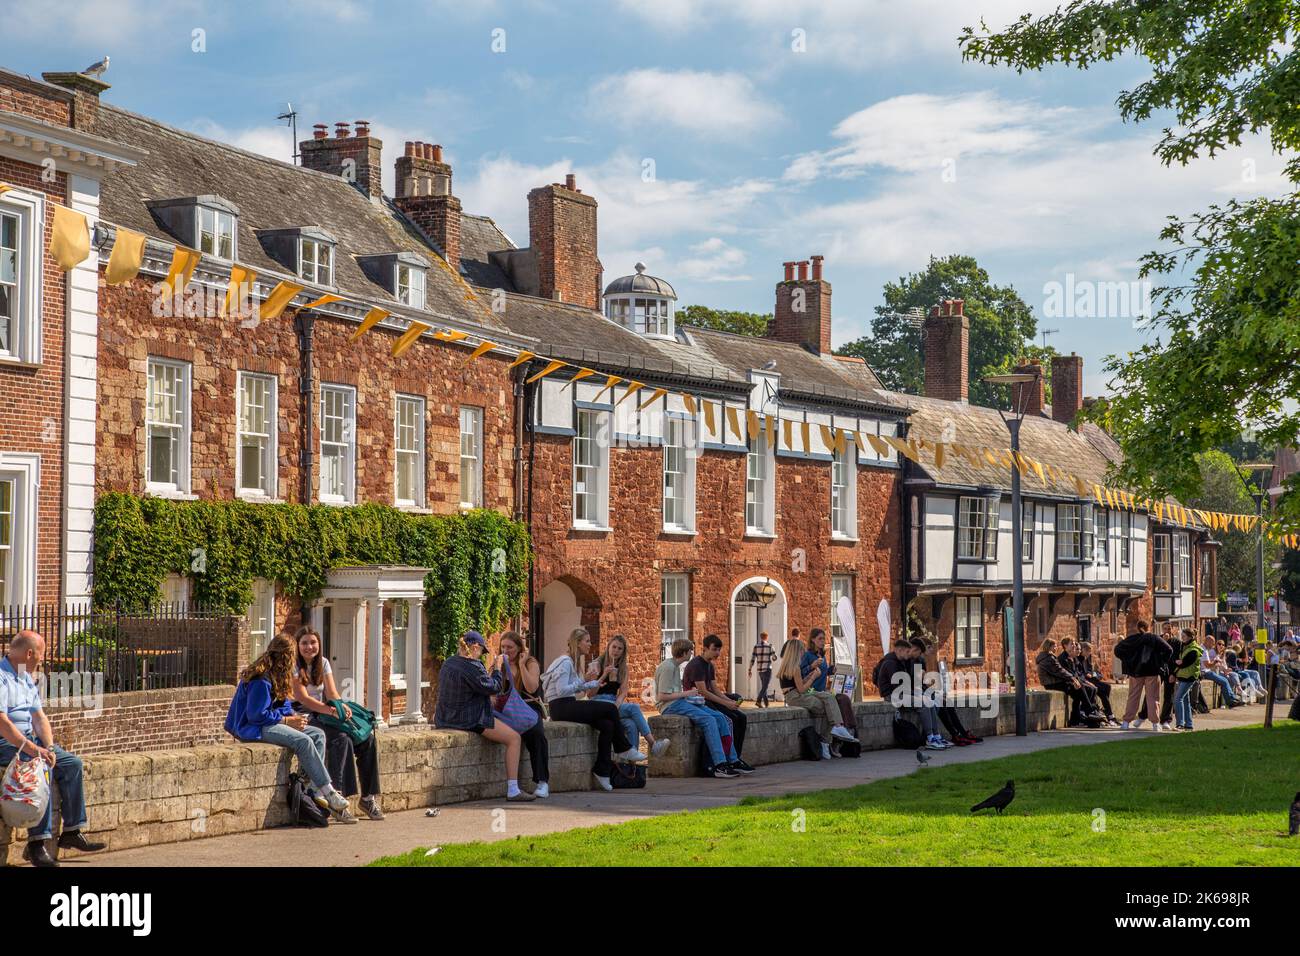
543	791
343	816
336	802
1137	724
723	772
740	766
660	747
826	751
523	796
370	807
1125	726
603	782
1166	726
631	756
840	732
962	741
933	743
1156	729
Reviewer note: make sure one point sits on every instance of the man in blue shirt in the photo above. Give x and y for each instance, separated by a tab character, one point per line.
25	731
815	658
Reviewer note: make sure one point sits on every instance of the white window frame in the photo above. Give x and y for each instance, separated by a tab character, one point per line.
25	338
591	444
401	612
1027	528
261	616
760	487
1161	556
841	586
1074	531
409	285
680	439
176	592
978	520
313	270
675	609
844	499
408	450
181	429
1184	553
219	218
648	315
269	452
1125	539
471	456
1100	552
21	474
968	626
347	443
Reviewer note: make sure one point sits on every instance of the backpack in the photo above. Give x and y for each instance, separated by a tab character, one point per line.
810	745
875	674
906	734
628	776
848	748
703	762
303	808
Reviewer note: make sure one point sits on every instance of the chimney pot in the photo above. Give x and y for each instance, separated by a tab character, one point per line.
340	130
789	270
571	182
934	312
436	153
803	271
958	306
410	149
362	127
817	268
320	131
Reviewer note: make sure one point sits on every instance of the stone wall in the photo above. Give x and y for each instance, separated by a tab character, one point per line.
144	720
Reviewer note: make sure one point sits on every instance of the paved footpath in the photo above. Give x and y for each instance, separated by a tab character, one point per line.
401	832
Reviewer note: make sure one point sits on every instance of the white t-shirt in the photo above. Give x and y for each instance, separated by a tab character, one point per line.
315	690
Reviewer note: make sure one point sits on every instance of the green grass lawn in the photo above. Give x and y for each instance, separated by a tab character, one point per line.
1213	798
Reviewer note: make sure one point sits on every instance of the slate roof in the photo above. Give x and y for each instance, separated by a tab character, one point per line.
479	235
275	195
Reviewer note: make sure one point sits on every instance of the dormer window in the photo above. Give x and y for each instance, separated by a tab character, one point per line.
316	261
410	285
216	233
642	303
207	223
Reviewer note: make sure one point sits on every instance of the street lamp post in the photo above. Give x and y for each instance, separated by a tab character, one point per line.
1013	423
1257	492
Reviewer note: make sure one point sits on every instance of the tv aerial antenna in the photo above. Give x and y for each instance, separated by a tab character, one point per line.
291	115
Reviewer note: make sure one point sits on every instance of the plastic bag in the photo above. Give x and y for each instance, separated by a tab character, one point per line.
25	792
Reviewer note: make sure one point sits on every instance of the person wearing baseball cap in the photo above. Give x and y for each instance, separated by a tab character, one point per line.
465	692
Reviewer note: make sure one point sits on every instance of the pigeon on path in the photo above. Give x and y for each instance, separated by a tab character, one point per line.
999	801
1295	816
922	757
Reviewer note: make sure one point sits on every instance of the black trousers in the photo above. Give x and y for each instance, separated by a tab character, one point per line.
1083	702
764	677
952	723
1103	695
738	723
603	716
343	758
539	753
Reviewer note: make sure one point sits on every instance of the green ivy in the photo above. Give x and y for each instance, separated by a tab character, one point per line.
222	546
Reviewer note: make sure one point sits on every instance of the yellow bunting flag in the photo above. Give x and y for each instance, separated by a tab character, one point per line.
632	388
988	456
184	262
610	382
450	335
878	445
1038	470
578	376
69	239
552	366
1251	521
1159	510
752	424
278	300
413	332
523	356
733	420
1005	457
1110	498
805	432
708	417
771	432
689	402
857	440
828	437
938	454
128	254
787	429
4	189
327	299
373	318
841	436
1079	487
483	349
241	285
657	394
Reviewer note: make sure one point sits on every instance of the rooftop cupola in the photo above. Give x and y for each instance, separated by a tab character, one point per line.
643	303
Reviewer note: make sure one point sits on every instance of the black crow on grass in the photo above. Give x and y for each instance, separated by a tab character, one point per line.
999	801
1295	816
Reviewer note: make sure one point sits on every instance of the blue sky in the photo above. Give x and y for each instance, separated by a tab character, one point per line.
716	147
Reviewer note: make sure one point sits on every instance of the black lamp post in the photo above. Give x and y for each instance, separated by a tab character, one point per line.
1257	493
1013	423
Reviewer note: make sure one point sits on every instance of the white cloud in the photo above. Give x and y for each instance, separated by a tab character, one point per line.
107	26
716	104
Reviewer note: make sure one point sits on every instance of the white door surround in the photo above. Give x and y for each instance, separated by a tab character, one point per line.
746	624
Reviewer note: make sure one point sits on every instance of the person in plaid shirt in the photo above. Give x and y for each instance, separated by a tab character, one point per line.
762	655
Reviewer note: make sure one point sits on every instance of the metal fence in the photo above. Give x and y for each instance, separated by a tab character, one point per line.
170	645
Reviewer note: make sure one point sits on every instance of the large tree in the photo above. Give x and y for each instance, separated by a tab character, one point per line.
1225	347
1223	489
1002	328
722	320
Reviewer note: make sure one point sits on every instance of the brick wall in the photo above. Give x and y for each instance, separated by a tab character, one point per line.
562	231
947	354
1067	387
145	720
803	314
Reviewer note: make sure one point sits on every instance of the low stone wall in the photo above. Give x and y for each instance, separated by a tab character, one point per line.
163	796
143	720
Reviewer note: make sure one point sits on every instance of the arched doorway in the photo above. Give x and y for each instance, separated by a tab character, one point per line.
561	606
757	604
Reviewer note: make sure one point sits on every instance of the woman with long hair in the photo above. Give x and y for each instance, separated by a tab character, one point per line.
614	690
314	692
561	685
261	711
797	691
526	676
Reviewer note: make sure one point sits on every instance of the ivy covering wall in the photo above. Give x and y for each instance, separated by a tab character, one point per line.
479	559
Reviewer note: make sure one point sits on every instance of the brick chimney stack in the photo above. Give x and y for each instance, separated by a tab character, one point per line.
1028	398
1067	387
803	308
424	196
946	334
562	235
86	91
356	158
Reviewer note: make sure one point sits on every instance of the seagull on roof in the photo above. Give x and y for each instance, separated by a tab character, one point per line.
96	69
768	365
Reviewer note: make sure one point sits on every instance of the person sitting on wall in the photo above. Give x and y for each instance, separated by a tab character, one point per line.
465	692
314	692
797	680
614	690
1053	676
898	681
25	734
1070	661
1210	671
676	701
526	675
262	711
1235	657
699	674
1086	669
948	716
562	685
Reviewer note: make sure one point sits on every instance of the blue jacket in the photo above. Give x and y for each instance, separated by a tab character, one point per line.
813	661
252	709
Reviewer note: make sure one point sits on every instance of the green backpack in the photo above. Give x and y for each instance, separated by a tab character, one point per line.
359	727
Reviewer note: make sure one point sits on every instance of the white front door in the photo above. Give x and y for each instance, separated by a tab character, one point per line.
746	623
339	629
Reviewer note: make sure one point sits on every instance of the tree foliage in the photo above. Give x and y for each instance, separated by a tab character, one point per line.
722	320
1222	489
1002	328
1225	331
